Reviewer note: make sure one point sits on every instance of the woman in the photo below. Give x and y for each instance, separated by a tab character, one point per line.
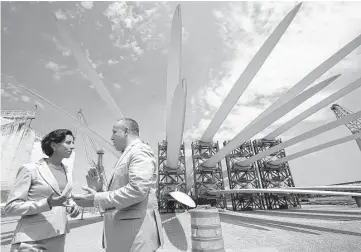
41	196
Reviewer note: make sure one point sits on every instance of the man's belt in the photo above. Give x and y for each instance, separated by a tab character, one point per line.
114	208
109	209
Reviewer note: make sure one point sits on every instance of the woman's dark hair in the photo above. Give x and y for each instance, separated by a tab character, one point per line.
56	136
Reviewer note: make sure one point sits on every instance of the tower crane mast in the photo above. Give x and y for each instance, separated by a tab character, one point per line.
353	126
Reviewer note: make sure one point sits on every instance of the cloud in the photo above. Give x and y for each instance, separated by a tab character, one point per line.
9	87
54	66
65	51
59	14
112	62
136	80
98	25
123	14
318	31
75	13
133	46
95	64
25	98
136	48
58	70
7	94
11	93
135	26
87	4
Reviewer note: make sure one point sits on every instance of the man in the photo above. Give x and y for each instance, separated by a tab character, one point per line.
131	219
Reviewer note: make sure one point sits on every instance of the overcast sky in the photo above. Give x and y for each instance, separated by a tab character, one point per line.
127	44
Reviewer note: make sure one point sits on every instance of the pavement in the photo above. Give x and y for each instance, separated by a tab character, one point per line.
312	228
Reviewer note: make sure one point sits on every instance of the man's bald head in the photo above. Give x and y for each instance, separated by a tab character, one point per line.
124	132
129	125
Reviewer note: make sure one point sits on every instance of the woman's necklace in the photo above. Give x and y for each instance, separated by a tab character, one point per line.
56	167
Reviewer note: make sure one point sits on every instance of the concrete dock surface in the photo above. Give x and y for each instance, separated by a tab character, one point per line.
311	228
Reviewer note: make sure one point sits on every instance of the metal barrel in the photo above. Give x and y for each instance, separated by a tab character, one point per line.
206	230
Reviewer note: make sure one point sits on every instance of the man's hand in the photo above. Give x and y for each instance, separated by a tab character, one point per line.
100	170
85	200
74	210
93	180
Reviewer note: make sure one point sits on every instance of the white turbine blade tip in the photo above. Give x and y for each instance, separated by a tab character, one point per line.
298	6
334	77
178	9
177	13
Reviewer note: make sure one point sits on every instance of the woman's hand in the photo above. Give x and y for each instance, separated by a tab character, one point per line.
54	200
74	210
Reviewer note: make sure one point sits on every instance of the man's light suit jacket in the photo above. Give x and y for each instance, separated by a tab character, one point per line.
28	198
131	220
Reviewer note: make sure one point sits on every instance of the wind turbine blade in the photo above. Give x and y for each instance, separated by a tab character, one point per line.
311	77
248	75
316	148
358	142
335	96
91	133
285	191
329	188
89	71
174	64
302	137
250	131
174	140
